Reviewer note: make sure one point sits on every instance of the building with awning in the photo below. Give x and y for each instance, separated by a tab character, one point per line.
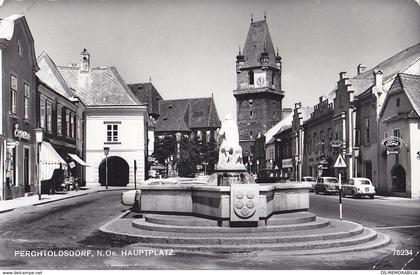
49	161
78	160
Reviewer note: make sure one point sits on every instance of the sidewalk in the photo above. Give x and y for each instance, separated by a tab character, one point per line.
10	205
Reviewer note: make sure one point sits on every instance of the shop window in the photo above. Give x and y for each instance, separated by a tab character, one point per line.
13	92
26	103
112	132
42	112
11	167
49	116
59	120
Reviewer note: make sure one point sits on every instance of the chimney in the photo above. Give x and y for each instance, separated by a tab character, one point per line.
84	61
361	68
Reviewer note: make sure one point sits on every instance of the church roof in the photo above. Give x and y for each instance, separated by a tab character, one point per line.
99	86
148	94
257	40
185	114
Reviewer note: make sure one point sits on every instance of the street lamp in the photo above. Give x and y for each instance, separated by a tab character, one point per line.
106	152
39	137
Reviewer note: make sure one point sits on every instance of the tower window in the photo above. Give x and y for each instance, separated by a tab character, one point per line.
272	78
250	114
251	77
274	114
251	102
250	134
398	102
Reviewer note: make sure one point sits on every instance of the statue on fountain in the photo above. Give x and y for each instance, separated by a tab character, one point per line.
230	152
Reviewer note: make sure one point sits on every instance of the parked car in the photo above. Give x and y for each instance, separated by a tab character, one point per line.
310	180
326	185
358	187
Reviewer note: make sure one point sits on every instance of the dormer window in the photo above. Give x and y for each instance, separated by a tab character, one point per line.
170	106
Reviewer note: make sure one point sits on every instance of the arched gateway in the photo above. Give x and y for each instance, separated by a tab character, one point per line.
118	171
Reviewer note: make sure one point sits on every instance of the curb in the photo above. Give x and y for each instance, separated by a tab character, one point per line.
64	198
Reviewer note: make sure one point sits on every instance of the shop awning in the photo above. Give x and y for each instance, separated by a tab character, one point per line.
78	160
49	161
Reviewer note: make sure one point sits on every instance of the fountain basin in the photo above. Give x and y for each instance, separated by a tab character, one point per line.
218	203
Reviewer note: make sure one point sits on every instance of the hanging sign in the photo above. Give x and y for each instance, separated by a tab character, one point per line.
392	142
336	143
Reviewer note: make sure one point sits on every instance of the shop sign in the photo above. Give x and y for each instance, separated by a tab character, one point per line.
20	134
392	142
336	143
286	163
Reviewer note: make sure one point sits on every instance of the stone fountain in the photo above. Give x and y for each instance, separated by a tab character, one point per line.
231	196
234	214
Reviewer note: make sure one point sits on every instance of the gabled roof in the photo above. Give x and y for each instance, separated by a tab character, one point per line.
147	93
257	40
306	113
99	86
411	86
390	68
50	75
7	29
186	114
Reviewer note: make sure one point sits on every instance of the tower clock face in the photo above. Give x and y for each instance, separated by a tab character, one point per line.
260	80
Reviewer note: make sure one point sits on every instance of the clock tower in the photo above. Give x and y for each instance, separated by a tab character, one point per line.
258	93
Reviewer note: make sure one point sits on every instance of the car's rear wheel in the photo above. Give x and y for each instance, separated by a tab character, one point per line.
372	196
353	194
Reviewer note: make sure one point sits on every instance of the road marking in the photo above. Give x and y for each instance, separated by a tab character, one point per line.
396	227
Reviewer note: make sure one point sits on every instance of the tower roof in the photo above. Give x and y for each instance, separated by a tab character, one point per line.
257	41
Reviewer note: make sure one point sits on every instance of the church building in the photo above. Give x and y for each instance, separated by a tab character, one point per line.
258	93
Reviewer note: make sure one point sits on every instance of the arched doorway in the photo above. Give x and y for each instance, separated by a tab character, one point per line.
118	172
398	179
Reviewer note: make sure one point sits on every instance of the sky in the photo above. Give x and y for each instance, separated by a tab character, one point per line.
188	48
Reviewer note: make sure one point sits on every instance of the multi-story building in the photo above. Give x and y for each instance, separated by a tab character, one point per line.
357	105
399	132
318	132
258	93
17	109
300	116
114	119
62	116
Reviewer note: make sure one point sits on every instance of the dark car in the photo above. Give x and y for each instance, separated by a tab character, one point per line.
326	185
